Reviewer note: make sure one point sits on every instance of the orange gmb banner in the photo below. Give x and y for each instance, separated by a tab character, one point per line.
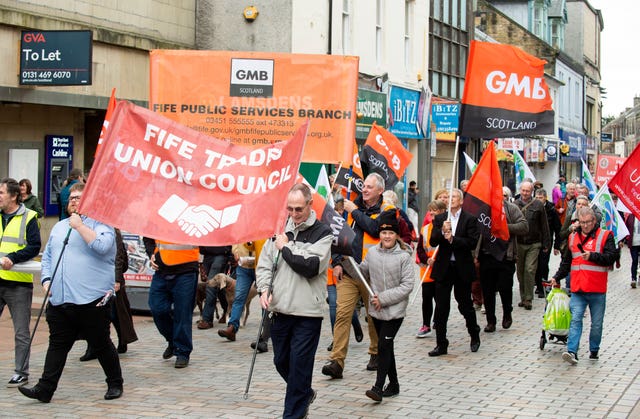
383	153
505	94
157	178
257	98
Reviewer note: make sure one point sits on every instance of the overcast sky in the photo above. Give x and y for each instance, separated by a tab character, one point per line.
620	68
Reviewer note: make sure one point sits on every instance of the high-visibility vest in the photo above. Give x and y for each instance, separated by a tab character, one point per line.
368	241
14	238
586	276
426	235
176	254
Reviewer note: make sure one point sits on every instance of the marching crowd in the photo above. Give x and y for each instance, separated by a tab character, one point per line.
295	270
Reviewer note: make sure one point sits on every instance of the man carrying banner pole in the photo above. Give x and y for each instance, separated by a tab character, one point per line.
301	254
362	217
456	234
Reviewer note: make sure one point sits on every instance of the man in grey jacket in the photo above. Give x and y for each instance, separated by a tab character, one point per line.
291	277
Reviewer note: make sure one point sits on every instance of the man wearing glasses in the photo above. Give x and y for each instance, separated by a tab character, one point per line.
291	278
78	297
590	253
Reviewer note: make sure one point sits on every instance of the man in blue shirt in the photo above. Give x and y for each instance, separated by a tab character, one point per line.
79	292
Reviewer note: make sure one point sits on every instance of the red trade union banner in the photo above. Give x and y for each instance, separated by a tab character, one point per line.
505	94
157	178
607	167
111	106
626	182
256	98
384	154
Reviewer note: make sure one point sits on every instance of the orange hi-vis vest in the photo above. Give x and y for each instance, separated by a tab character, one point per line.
586	276
426	235
177	254
368	241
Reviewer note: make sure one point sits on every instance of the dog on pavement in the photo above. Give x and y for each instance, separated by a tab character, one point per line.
228	284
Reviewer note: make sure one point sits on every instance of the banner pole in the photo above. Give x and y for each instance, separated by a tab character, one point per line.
453	174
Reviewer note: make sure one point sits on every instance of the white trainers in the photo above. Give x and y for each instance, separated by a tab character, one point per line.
17	380
570	357
423	332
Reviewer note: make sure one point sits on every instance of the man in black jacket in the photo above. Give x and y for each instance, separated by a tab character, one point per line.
456	235
537	240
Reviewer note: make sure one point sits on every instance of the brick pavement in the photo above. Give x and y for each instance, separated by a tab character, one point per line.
509	376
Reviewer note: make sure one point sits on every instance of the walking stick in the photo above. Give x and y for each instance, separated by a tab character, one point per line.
264	316
46	294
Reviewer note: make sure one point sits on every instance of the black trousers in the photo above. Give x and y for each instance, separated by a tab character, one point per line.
428	295
67	323
386	330
462	293
542	272
496	276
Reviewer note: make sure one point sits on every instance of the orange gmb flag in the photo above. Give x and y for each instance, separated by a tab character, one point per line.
111	106
626	182
505	94
351	177
255	98
384	154
484	201
157	178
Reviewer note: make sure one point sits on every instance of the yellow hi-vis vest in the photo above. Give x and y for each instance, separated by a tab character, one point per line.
13	238
177	254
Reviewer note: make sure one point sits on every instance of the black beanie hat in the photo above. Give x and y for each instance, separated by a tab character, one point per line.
388	221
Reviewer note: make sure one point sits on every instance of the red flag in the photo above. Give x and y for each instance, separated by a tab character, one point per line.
505	94
343	235
384	154
626	182
111	106
351	176
484	201
158	178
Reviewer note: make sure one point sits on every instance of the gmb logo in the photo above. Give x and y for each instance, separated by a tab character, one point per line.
251	77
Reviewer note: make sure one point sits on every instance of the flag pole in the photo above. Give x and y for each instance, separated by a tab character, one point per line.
453	174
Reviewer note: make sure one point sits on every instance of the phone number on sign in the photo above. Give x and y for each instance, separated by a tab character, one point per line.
45	75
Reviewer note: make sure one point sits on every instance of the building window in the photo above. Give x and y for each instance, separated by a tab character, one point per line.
346	27
448	46
578	99
379	16
557	34
408	18
540	19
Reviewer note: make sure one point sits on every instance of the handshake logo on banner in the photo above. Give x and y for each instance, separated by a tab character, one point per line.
197	220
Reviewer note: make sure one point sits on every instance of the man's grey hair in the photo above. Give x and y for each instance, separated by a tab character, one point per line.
506	191
541	192
379	179
585	212
459	192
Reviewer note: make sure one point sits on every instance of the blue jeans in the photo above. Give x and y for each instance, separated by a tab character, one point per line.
216	264
295	341
244	281
18	299
172	300
579	301
333	304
